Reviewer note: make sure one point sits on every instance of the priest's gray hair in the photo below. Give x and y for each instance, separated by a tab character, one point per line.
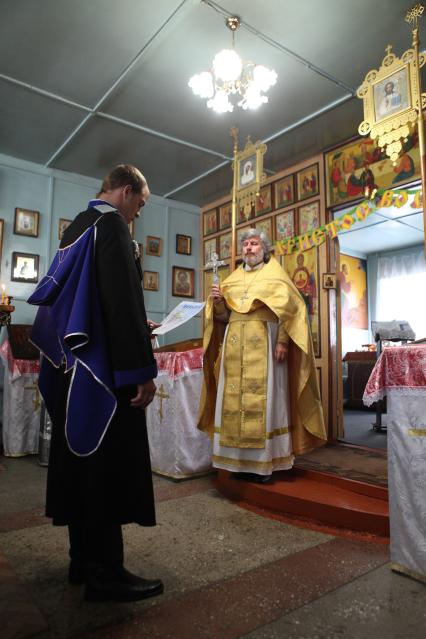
266	244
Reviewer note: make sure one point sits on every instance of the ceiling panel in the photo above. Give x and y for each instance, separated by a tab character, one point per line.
33	126
324	131
102	144
76	48
212	187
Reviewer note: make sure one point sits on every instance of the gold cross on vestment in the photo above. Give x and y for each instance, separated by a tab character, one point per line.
161	395
36	398
244	297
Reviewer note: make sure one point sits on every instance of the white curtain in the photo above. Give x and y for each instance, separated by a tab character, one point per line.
401	289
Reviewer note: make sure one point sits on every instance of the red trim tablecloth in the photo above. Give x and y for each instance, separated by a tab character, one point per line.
176	364
401	368
18	367
178	449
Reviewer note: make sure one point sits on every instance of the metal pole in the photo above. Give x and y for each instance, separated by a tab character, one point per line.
412	16
234	134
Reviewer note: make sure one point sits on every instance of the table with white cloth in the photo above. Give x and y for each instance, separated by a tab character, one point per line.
178	448
21	404
400	375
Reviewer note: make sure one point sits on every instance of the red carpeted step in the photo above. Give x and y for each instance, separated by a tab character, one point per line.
317	496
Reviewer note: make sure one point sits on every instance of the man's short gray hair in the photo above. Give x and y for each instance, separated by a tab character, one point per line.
266	243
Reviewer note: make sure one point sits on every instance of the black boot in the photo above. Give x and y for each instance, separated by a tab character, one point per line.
107	583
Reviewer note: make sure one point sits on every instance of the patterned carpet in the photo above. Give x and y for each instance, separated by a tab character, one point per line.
346	461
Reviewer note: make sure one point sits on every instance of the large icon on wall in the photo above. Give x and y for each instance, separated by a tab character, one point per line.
353	287
302	267
360	164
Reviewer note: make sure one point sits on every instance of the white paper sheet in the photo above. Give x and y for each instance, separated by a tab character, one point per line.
178	316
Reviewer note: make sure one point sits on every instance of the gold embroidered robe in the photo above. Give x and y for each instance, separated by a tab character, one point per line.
255	296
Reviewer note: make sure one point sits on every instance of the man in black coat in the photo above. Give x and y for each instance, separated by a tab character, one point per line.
96	378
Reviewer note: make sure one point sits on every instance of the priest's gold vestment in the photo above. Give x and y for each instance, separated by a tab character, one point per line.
243	418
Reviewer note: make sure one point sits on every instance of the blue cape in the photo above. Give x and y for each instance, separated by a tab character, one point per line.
69	332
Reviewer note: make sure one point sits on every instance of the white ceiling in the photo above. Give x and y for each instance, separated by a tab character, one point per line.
85	84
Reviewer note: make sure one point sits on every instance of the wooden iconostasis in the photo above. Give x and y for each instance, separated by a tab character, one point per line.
290	203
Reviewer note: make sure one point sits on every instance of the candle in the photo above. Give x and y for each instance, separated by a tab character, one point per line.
3	288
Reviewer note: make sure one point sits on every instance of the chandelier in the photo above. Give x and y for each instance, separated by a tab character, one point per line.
230	76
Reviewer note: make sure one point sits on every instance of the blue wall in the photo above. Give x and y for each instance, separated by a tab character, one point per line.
57	194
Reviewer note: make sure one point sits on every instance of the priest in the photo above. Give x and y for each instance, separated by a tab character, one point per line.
96	379
260	400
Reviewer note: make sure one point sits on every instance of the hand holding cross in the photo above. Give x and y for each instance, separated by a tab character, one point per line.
214	264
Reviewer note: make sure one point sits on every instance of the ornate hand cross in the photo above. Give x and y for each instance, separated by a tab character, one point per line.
214	264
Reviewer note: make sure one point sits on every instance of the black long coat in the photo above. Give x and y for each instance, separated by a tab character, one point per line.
114	484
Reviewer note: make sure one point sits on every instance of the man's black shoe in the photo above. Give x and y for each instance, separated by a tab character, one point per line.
77	573
257	479
121	586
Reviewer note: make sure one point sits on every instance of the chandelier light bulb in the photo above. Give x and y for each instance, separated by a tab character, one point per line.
220	103
202	84
264	78
227	65
252	99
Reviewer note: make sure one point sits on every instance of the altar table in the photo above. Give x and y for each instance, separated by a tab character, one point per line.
21	404
400	374
178	448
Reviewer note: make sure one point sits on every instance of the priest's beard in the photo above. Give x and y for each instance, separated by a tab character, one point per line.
253	260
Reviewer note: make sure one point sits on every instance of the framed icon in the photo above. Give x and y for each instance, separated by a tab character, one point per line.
284	192
307	182
284	225
225	246
183	244
151	281
154	245
183	282
63	224
25	267
329	280
225	216
308	216
209	222
26	222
